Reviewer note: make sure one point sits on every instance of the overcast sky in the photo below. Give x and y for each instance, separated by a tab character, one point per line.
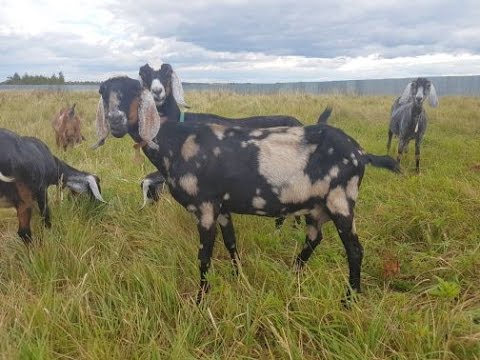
240	40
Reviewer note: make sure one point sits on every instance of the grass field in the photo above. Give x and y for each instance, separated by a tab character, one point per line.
116	282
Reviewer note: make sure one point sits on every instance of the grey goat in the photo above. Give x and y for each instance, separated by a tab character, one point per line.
408	119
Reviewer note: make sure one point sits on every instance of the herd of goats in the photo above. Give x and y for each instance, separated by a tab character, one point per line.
215	166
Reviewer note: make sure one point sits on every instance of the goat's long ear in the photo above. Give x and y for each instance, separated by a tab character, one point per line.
145	74
406	94
92	184
148	119
102	127
432	96
177	90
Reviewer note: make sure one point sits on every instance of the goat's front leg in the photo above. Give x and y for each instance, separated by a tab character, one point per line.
417	154
24	212
402	143
42	200
207	217
229	239
389	142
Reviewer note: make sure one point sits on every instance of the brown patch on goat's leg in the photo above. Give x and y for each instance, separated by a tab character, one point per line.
229	239
312	240
24	212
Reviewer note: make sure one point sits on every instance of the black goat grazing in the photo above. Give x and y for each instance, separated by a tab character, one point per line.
152	186
408	119
167	91
27	169
214	170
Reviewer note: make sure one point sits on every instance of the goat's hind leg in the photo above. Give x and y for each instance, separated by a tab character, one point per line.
346	230
229	239
42	200
313	238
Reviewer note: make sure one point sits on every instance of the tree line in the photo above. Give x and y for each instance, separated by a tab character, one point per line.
27	79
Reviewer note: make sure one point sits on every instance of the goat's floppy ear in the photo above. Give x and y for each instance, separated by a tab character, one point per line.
102	127
148	119
406	93
177	90
145	74
432	96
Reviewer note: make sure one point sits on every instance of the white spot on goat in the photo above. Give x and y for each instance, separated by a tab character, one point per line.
256	133
258	191
191	208
226	196
223	220
217	151
189	183
189	148
352	188
345	161
337	201
206	214
218	130
258	202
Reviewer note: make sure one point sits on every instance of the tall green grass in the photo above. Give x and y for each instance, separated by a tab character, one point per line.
116	282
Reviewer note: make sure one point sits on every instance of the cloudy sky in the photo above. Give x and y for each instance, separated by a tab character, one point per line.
241	40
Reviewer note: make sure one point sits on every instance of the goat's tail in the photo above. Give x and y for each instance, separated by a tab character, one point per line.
322	119
384	161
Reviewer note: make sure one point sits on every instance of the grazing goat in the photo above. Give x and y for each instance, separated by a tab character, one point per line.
152	185
214	171
67	128
27	169
167	90
408	119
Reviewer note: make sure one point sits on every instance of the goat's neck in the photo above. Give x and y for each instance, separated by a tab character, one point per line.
170	109
64	172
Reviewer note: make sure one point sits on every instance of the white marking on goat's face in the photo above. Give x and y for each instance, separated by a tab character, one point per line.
5	203
258	202
158	91
217	151
189	183
419	95
222	220
226	196
337	201
352	188
206	215
190	148
218	130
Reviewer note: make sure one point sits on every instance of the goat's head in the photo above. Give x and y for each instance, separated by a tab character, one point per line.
418	90
124	107
162	83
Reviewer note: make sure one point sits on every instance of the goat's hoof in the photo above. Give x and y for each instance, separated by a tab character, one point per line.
349	298
203	290
25	235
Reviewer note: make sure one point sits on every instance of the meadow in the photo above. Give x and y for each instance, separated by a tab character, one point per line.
116	282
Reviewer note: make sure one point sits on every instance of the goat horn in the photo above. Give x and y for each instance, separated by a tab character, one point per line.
7	179
93	186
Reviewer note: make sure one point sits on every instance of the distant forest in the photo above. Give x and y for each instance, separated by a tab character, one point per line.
55	79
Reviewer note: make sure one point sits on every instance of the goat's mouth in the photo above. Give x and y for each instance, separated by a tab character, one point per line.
118	124
159	99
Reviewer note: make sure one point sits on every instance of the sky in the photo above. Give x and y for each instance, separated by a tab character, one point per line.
261	41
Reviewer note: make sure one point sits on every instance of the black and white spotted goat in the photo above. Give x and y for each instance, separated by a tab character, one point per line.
408	119
168	93
27	169
214	171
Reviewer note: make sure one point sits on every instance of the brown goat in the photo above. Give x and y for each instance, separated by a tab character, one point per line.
67	128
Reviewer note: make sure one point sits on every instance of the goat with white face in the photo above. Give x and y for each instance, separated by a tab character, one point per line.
27	169
214	171
408	119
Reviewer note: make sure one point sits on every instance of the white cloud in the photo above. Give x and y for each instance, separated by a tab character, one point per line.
226	41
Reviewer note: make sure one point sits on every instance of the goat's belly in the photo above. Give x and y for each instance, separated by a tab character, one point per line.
5	202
